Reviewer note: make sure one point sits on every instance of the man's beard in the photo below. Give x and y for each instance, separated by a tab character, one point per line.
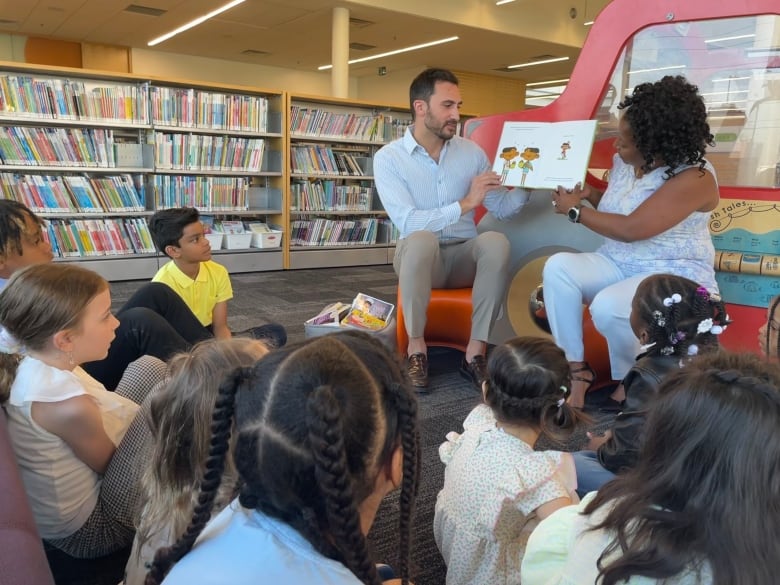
445	131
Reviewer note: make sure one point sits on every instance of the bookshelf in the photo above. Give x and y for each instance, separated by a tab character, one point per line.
96	153
334	216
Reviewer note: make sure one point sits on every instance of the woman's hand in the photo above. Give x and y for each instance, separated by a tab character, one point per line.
564	199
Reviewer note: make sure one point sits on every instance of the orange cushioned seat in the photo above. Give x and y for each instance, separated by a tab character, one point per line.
448	322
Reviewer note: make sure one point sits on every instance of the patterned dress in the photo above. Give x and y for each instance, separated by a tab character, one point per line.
493	484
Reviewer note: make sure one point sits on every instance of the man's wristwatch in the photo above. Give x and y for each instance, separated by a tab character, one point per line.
574	213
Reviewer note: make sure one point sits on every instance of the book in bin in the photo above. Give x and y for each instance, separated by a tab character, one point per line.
368	312
544	155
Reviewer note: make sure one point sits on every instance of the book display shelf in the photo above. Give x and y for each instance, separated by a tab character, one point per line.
96	153
335	216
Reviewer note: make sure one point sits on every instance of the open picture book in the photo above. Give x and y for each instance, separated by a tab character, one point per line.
544	155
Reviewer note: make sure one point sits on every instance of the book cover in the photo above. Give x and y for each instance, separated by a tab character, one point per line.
368	312
544	155
330	315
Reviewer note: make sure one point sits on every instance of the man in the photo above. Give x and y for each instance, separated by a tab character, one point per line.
430	181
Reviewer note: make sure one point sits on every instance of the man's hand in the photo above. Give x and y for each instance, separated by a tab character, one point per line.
480	186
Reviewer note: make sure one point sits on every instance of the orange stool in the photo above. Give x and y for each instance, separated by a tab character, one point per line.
448	320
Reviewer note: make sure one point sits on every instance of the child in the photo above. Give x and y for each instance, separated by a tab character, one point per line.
66	429
768	336
674	319
203	284
325	429
155	321
182	409
496	487
701	505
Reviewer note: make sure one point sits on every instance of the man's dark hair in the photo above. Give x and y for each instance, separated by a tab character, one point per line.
167	226
424	84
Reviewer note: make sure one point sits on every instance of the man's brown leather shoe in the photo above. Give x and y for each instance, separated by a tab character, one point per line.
417	366
475	370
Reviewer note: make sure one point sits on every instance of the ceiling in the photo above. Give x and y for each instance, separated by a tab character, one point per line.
292	34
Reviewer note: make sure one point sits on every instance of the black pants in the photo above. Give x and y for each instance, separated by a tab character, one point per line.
154	321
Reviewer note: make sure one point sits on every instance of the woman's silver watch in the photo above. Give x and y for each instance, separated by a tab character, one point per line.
574	213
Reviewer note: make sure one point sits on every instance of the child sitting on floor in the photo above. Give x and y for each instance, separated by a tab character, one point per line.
701	505
203	284
674	319
182	409
496	487
325	429
68	433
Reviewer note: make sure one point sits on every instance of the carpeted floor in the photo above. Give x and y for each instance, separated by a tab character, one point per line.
290	297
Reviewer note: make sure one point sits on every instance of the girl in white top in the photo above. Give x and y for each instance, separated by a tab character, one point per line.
66	429
182	408
702	506
325	429
496	487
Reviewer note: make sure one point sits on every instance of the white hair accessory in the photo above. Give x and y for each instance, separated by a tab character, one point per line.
705	326
560	402
675	298
693	349
8	343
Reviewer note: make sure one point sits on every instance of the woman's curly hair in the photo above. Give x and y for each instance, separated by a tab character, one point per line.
668	119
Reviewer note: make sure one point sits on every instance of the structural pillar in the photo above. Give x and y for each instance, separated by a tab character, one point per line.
339	78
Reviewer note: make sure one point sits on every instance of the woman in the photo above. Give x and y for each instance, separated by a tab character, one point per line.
695	510
769	333
654	218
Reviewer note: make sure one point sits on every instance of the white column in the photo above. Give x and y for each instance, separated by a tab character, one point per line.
339	78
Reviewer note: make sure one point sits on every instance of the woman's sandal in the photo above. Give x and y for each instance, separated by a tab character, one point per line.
591	380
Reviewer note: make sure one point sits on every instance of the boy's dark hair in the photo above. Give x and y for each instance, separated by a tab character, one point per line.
528	380
674	308
167	226
424	85
13	217
316	421
706	489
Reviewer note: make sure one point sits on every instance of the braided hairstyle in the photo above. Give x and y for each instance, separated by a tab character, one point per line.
668	119
706	488
317	422
528	379
681	317
13	218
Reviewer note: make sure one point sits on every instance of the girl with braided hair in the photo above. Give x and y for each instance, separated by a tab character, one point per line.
674	319
181	408
325	429
701	505
496	487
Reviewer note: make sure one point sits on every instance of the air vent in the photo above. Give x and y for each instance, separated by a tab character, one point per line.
146	10
543	57
8	21
506	70
254	52
361	46
359	23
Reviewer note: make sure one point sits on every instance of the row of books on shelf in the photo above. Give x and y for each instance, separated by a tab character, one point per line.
68	99
31	146
206	152
204	193
194	108
75	193
98	237
316	159
326	195
341	232
371	127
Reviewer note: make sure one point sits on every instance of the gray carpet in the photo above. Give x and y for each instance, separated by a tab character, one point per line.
290	297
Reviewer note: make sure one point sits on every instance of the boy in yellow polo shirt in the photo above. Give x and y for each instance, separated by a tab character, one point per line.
203	284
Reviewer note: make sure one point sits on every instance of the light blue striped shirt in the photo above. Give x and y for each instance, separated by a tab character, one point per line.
420	194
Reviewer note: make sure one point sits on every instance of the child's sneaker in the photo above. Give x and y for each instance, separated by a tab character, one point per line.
273	335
